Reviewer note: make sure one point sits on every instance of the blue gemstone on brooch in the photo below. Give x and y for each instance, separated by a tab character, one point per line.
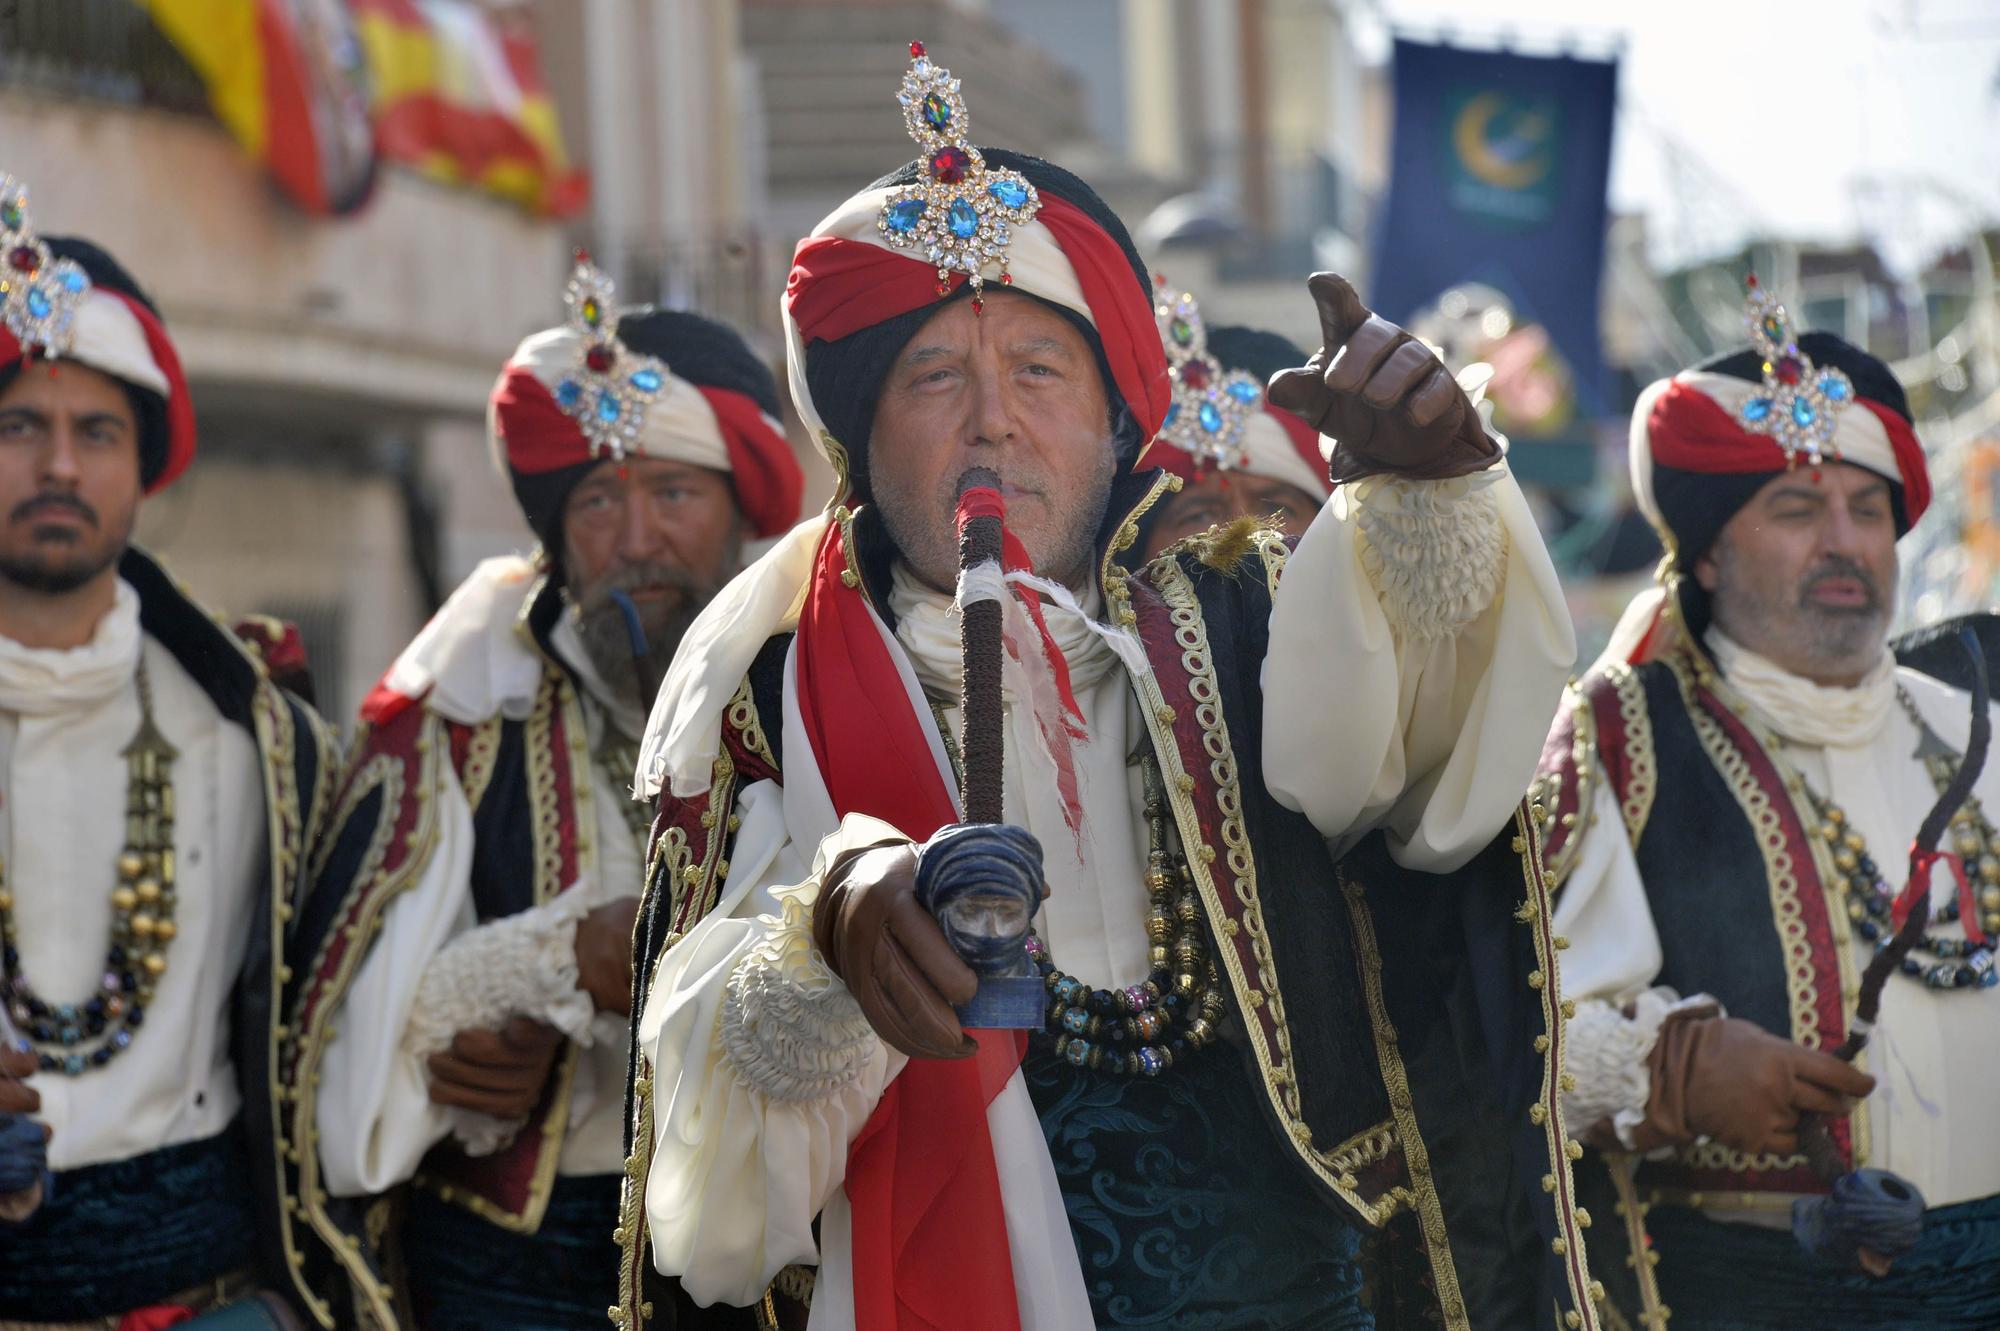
1008	193
1833	389
567	393
38	303
1802	412
904	216
1245	392
1211	419
1757	409
1173	410
74	282
608	409
74	1065
964	221
647	380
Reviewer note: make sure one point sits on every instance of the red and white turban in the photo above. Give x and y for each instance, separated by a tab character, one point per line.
64	298
1696	458
650	383
1703	444
848	276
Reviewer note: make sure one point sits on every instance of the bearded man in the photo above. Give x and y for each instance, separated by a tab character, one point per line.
1218	1102
487	852
1735	787
159	794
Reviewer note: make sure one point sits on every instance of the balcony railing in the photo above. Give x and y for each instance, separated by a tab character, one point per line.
107	50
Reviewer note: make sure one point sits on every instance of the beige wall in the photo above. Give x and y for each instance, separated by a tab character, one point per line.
248	537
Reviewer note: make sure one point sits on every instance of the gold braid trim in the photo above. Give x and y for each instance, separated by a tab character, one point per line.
692	889
742	717
1624	1173
1537	911
1421	1194
1252	992
1363	1149
1643	776
632	1312
1781	872
482	751
538	742
376	1300
277	740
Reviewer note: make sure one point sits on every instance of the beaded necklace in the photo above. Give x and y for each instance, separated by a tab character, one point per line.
1870	898
1141	1029
72	1038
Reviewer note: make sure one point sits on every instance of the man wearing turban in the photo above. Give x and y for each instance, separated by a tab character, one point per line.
487	852
1734	791
1195	743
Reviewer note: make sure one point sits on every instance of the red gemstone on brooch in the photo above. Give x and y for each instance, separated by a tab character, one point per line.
949	165
1789	370
24	259
1195	375
916	50
598	358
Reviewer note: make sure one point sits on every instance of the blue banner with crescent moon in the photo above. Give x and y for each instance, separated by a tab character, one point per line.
1498	175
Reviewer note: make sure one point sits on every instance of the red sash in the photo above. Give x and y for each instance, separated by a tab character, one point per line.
930	1235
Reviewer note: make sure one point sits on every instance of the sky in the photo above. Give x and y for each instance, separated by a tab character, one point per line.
1742	117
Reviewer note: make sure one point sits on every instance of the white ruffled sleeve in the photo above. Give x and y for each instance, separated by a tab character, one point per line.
375	1115
763	1068
433	971
1419	643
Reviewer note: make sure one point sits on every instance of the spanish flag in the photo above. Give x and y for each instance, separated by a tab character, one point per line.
458	94
288	83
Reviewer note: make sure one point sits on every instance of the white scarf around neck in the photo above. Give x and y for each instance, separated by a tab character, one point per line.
927	624
1800	710
39	681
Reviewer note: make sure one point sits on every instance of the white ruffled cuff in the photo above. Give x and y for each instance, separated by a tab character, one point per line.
1607	1053
788	1027
1434	551
522	965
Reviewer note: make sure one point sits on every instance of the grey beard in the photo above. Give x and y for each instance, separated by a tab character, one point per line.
608	643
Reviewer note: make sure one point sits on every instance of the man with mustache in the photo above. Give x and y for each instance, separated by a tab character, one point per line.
158	794
487	851
1240	761
1734	789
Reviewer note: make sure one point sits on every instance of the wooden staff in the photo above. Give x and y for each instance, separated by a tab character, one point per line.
982	744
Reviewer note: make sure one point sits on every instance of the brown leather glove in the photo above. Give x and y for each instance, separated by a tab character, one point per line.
1735	1082
1390	405
604	955
893	957
501	1073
